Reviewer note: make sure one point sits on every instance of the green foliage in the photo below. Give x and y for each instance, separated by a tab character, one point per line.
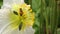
46	15
1	2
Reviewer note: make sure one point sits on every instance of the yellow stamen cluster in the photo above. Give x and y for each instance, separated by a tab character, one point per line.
27	18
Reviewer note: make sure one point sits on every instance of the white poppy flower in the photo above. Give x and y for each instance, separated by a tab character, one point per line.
16	17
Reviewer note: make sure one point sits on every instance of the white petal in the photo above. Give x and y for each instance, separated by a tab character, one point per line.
5	22
28	30
10	31
18	1
13	1
5	6
3	18
6	29
15	31
8	3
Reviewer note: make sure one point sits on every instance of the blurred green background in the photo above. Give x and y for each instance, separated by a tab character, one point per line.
47	15
1	2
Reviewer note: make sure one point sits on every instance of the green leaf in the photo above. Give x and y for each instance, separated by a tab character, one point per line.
1	3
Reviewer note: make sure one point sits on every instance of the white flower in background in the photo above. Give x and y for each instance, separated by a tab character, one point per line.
16	17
